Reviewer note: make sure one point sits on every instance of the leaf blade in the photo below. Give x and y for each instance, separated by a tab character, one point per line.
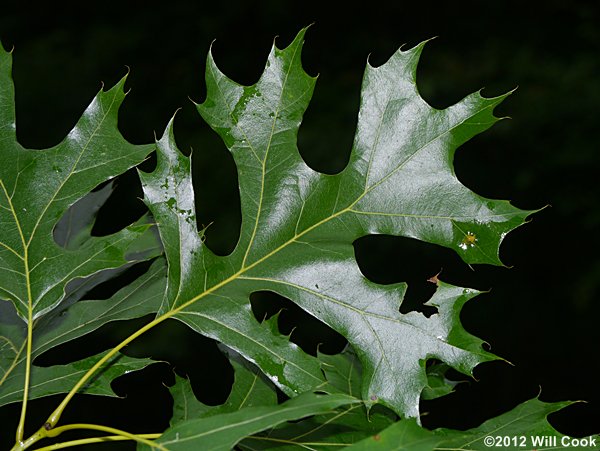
66	324
56	379
224	431
298	225
38	186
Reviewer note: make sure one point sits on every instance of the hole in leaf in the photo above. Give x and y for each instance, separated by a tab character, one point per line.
141	411
441	379
577	419
149	164
306	331
145	404
99	287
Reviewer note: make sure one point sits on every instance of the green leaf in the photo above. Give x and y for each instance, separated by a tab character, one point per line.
185	404
249	390
523	428
342	426
527	420
437	383
343	371
250	387
298	225
75	227
404	435
225	316
48	258
57	379
224	431
61	325
330	431
38	186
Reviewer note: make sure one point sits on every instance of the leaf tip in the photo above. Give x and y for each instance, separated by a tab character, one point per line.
117	90
434	279
416	50
196	104
295	47
124	78
402	62
298	41
210	58
495	100
166	144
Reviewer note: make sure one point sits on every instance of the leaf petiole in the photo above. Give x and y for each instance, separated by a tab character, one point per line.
86	441
117	432
25	258
55	416
96	427
48	430
118	435
21	427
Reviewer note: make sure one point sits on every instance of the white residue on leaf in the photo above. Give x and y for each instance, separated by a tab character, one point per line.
75	135
468	241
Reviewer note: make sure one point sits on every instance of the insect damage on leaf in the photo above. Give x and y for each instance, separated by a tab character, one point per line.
298	225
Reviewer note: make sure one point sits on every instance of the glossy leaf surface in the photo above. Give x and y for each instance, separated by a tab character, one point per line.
298	225
343	371
57	379
140	298
38	186
249	390
341	426
328	431
48	258
224	431
224	316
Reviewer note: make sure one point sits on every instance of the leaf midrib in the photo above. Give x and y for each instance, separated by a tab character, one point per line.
72	170
36	351
27	242
276	412
256	342
505	425
362	313
25	257
27	344
347	209
264	161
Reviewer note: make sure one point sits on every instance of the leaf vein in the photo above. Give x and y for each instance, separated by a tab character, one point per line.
227	326
264	161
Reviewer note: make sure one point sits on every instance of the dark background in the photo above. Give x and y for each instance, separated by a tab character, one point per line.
542	314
